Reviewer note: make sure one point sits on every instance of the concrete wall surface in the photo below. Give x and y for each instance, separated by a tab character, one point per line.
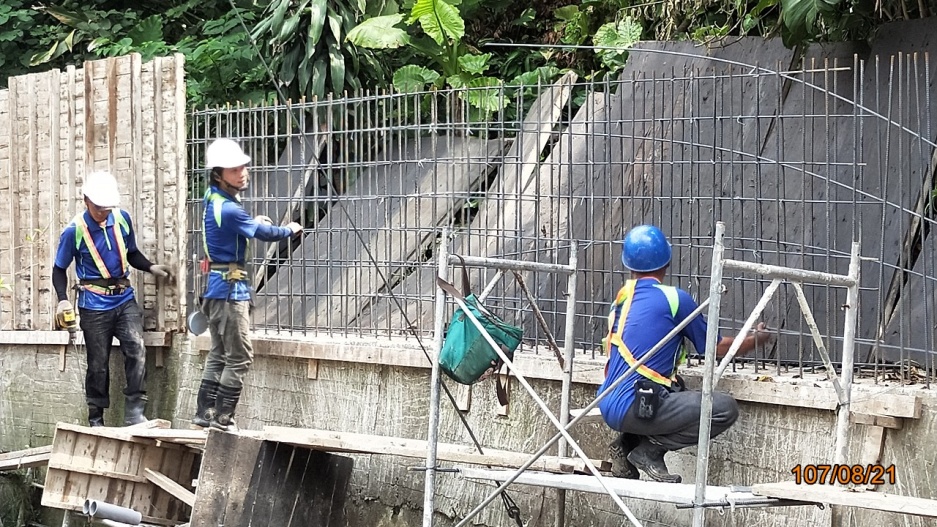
763	446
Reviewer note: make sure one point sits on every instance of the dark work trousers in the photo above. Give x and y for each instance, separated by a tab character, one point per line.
231	351
676	424
100	327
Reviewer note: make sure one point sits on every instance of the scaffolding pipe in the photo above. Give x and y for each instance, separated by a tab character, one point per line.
849	348
511	265
818	341
706	407
800	275
595	402
546	411
569	352
737	343
429	489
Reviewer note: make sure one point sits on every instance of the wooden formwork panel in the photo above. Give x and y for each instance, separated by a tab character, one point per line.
109	464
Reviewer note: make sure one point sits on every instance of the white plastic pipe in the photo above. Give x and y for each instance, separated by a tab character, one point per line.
100	510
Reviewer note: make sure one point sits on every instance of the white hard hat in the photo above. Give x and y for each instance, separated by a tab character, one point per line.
225	153
101	189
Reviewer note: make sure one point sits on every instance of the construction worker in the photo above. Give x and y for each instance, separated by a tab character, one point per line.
226	301
102	243
651	409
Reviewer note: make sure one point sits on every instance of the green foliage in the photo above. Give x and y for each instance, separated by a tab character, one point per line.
621	35
306	43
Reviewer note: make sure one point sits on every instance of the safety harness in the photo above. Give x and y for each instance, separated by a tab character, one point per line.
107	285
614	337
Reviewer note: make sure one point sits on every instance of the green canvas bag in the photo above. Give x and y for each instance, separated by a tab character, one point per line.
466	355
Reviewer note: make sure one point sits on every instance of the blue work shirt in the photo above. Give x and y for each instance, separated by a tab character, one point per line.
72	247
227	229
649	320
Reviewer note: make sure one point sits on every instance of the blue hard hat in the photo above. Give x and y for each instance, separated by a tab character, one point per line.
646	249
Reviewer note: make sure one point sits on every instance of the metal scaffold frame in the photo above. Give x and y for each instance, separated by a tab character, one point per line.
711	375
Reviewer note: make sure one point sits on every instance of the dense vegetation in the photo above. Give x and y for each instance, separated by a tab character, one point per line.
317	47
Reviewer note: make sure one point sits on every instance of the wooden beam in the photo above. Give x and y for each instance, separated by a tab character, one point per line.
60	338
31	457
170	486
873	445
174	435
894	423
416	448
849	498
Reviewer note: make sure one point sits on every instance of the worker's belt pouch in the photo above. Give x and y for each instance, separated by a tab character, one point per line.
466	355
646	399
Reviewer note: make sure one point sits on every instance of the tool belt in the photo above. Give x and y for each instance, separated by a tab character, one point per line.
105	286
230	272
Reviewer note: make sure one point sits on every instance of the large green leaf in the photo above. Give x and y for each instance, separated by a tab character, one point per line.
475	64
619	36
484	93
287	31
148	30
319	72
438	19
75	19
379	33
337	66
412	78
799	18
317	12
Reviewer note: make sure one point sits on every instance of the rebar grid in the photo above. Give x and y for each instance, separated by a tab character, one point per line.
794	171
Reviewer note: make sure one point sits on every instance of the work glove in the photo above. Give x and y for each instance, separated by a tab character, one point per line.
162	271
295	227
263	220
62	307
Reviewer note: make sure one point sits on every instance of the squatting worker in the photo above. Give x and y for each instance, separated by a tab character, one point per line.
226	301
650	409
101	241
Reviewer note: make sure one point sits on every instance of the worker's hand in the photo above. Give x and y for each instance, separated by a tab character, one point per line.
263	220
761	334
63	306
162	271
295	227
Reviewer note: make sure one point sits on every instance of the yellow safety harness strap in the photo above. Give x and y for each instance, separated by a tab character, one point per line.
84	233
614	337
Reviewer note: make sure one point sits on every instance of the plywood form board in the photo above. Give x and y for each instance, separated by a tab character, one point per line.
224	477
517	171
90	463
335	291
61	125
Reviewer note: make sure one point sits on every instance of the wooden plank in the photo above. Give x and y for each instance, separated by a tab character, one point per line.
170	486
873	444
849	497
895	423
97	472
143	494
676	493
63	444
82	460
60	338
417	448
30	457
174	435
105	460
312	369
226	471
164	505
146	519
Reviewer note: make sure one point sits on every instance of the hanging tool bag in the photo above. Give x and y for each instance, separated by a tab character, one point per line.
466	355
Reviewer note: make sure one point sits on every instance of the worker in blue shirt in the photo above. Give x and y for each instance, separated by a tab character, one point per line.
226	302
651	410
101	241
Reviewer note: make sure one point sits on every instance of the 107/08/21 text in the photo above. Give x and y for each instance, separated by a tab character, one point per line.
844	474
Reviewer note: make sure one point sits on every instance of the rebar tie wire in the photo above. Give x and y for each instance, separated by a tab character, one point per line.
510	506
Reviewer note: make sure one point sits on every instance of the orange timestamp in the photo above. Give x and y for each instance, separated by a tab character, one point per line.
844	474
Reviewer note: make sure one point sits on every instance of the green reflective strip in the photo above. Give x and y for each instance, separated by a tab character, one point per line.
217	201
673	298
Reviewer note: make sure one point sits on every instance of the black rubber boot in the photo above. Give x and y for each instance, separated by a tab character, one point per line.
95	416
225	404
205	403
618	452
649	458
133	409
